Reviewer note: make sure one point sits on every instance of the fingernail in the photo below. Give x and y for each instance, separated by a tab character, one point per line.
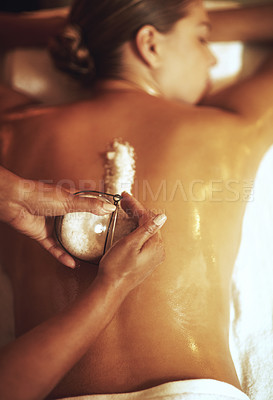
71	263
160	219
109	207
68	261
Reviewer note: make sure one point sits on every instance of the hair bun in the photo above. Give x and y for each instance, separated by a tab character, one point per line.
70	53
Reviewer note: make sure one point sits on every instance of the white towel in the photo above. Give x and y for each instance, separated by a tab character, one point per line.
251	329
194	389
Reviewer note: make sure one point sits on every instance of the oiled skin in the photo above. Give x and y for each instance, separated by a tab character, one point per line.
175	325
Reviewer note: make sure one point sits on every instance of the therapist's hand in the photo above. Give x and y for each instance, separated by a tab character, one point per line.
28	205
134	257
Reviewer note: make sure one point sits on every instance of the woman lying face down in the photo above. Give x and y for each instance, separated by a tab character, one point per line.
147	65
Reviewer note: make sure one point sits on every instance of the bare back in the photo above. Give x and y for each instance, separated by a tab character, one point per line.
175	325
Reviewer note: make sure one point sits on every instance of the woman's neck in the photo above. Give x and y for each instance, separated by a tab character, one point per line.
125	84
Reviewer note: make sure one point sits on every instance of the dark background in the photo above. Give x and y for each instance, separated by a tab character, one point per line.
31	5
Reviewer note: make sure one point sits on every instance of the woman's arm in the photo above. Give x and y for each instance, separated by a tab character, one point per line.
247	24
30	29
249	101
32	365
11	99
26	29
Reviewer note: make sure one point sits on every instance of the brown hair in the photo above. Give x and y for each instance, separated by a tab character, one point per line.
103	26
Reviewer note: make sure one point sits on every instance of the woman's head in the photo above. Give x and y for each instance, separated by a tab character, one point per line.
125	37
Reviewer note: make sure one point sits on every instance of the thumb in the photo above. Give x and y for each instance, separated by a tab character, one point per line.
98	206
135	209
53	200
148	229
